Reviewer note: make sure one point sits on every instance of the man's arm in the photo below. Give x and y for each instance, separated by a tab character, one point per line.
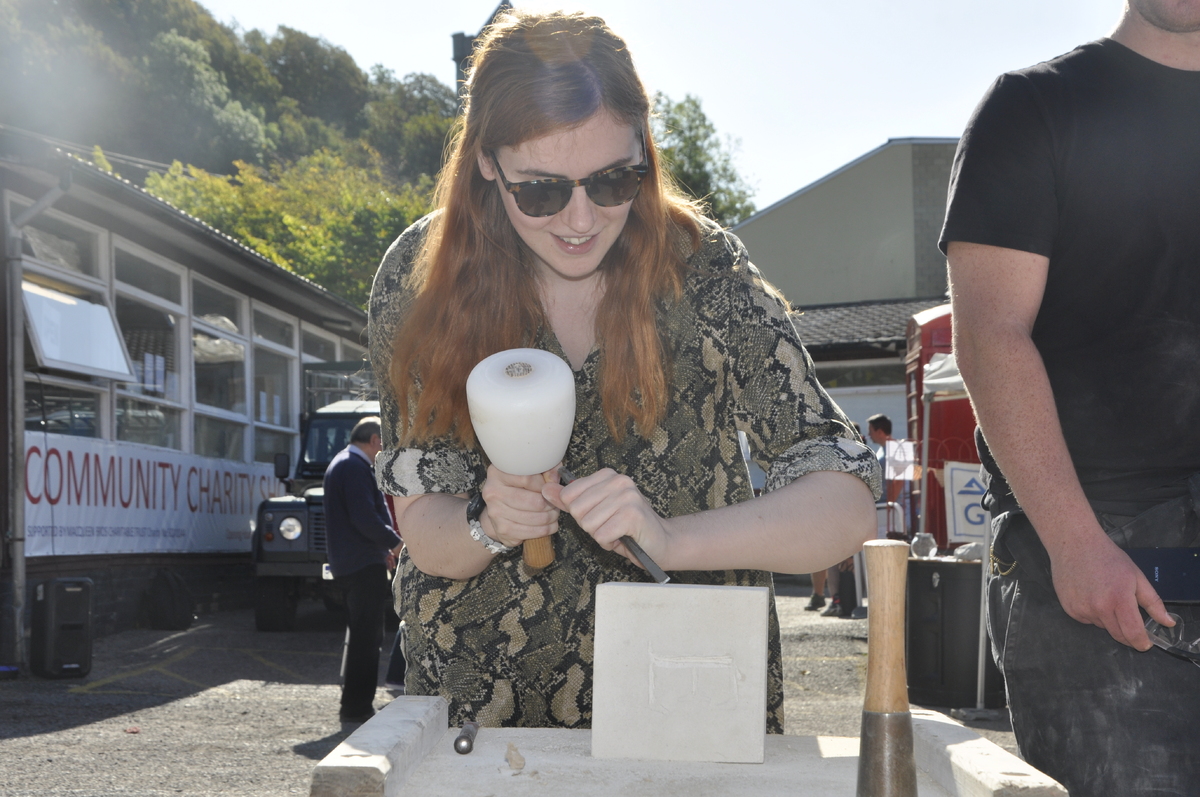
996	294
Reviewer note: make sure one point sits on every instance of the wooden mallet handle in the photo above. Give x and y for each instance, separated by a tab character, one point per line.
887	679
538	553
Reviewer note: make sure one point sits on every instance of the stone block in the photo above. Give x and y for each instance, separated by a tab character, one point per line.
378	756
967	765
680	672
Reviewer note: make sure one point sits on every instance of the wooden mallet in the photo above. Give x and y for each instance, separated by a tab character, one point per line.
886	765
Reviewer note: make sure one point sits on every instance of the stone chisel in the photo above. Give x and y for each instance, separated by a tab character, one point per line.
886	763
656	572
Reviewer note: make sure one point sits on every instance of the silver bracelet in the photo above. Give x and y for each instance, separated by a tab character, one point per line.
474	510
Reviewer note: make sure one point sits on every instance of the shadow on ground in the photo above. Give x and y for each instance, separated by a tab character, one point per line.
319	748
143	668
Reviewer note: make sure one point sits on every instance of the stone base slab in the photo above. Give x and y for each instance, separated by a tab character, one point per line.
407	749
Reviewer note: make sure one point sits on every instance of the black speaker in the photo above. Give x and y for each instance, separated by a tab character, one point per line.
943	636
62	628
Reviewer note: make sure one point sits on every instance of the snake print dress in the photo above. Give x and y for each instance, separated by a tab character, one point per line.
514	648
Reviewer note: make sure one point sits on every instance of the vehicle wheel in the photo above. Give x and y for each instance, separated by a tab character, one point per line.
274	605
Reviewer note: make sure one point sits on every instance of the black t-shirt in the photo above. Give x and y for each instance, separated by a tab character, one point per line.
1093	160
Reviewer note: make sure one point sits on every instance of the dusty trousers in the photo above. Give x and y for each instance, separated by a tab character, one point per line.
1100	717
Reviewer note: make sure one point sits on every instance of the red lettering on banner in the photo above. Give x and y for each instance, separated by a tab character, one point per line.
192	471
79	486
79	477
125	502
205	490
33	499
108	483
213	488
176	471
46	476
163	478
143	483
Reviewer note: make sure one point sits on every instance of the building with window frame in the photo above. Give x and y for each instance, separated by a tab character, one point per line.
855	252
157	365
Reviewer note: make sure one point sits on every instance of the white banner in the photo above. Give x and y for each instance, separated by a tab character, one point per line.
86	496
966	519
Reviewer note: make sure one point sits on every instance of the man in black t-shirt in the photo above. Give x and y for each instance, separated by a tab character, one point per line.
1073	238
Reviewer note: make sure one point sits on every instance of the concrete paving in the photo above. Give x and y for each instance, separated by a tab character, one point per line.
221	709
216	709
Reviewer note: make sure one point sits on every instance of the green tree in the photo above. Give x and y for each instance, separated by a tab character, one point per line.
128	26
294	135
118	74
190	107
698	160
163	80
408	121
321	217
323	79
61	78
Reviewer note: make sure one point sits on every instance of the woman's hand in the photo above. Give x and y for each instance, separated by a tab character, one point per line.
516	509
609	506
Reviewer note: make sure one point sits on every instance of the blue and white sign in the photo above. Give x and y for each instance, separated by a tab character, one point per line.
966	519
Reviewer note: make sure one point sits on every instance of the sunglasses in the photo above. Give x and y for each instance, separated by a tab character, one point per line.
608	189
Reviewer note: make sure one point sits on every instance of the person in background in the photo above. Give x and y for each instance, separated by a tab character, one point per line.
898	491
843	589
817	601
1073	237
557	228
361	548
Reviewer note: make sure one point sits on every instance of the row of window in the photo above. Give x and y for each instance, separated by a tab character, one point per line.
124	344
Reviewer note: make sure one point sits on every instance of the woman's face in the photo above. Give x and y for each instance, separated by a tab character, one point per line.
570	244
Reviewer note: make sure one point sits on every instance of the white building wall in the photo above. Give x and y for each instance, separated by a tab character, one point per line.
860	403
848	237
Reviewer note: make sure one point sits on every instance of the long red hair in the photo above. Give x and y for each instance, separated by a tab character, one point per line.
474	285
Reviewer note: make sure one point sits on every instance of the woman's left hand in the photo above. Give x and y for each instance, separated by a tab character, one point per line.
608	506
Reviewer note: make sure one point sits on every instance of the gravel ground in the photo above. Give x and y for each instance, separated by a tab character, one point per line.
825	671
220	709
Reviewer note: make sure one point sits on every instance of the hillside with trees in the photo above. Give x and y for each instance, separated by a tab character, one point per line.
280	140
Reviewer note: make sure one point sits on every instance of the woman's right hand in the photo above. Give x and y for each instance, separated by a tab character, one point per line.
516	510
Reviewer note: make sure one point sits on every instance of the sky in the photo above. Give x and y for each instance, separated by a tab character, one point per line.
798	88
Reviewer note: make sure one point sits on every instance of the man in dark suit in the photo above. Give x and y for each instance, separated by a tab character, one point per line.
362	545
